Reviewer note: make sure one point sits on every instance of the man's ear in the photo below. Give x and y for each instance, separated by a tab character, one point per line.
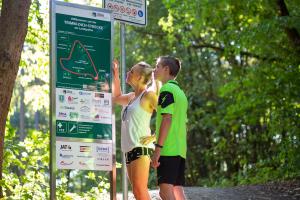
167	69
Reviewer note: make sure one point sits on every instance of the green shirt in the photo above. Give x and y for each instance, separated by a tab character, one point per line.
172	100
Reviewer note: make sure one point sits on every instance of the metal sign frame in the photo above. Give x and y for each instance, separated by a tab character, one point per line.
53	73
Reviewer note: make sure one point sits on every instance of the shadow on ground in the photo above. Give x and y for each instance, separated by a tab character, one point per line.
271	191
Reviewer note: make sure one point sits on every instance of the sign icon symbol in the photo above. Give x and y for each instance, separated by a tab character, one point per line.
140	13
73	127
61	127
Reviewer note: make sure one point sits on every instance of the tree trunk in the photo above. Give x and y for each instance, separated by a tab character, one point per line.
291	32
13	29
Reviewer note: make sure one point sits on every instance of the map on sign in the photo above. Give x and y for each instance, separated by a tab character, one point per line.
81	67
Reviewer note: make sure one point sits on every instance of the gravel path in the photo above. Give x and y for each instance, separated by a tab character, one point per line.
273	191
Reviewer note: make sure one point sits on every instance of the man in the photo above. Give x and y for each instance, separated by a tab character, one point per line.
170	148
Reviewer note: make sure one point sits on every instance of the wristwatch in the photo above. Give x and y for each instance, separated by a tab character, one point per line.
158	145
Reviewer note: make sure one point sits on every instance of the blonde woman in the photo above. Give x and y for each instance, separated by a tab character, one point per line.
138	107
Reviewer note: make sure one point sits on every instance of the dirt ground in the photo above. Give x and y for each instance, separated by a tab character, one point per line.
271	191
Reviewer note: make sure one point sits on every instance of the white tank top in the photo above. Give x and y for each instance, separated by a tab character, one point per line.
135	124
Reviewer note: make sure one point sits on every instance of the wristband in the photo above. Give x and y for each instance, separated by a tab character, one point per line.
157	145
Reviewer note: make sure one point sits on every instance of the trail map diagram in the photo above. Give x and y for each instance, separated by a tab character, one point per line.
77	67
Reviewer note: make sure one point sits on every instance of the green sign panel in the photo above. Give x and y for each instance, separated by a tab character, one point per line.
83	53
83	74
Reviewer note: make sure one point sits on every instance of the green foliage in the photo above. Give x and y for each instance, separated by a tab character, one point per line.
26	165
26	171
241	75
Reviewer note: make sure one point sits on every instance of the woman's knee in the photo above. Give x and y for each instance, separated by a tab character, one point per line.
140	192
166	192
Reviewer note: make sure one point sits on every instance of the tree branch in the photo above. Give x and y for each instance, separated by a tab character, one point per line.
292	33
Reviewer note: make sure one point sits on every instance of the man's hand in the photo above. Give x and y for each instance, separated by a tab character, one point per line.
147	139
155	158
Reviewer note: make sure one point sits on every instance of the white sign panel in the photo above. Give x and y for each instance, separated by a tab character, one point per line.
84	106
83	155
129	11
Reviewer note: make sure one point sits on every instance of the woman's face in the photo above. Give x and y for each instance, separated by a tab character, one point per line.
133	75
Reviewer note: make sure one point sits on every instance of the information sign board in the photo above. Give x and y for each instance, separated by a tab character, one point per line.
81	64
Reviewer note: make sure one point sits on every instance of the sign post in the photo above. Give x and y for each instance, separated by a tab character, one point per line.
82	121
123	78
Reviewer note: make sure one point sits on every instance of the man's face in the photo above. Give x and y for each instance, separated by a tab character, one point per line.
159	70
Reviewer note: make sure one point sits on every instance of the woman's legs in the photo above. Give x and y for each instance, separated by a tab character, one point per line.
138	173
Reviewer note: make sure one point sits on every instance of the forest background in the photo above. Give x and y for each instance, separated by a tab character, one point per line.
241	74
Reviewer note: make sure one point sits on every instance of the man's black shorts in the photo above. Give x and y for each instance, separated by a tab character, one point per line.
171	170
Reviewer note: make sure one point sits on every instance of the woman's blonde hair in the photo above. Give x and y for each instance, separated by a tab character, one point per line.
146	71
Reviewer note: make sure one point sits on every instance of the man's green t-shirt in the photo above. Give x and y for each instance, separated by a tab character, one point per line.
172	100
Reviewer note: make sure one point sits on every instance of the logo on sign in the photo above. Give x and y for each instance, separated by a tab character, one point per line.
82	163
85	109
67	107
96	14
65	147
65	156
84	101
85	148
99	95
72	100
106	102
67	91
101	165
61	98
62	114
73	115
103	159
65	163
84	93
102	149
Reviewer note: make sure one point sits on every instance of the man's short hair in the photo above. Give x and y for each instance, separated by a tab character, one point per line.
173	63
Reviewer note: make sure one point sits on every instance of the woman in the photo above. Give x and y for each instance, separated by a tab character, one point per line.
136	114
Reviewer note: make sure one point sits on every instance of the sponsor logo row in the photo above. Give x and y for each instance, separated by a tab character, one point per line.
82	163
99	149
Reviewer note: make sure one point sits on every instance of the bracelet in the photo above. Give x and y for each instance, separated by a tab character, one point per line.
157	145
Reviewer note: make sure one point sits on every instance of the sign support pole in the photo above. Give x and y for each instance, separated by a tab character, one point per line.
52	95
123	78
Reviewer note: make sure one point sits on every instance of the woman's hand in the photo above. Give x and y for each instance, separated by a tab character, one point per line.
147	139
116	68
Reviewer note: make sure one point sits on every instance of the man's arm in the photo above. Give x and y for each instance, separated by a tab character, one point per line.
163	133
